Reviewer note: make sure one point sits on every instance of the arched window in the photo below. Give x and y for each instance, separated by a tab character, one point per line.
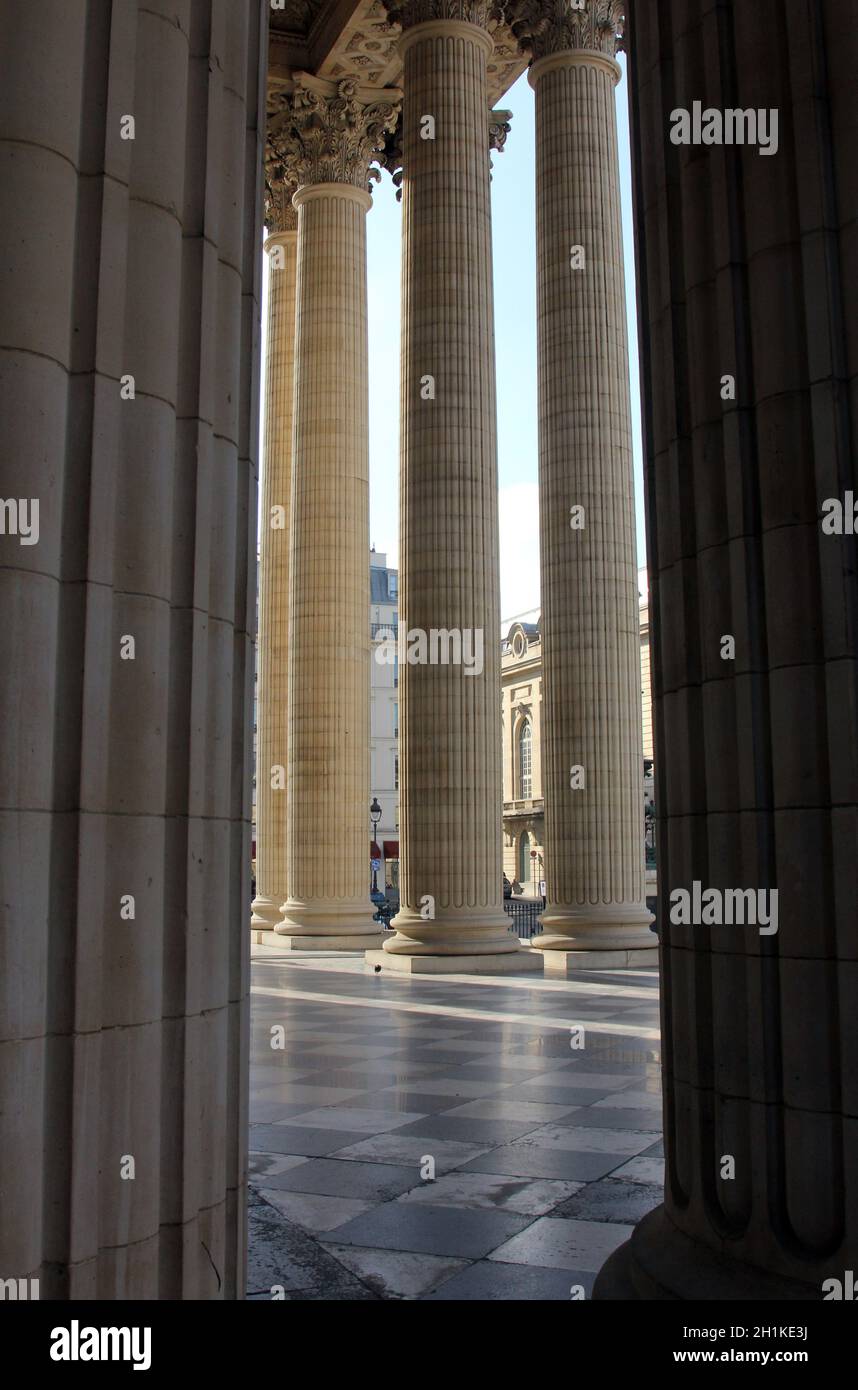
524	858
525	761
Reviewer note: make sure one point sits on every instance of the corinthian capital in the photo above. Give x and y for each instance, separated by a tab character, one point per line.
552	26
280	215
407	13
331	132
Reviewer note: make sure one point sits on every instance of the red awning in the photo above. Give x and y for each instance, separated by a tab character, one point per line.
391	849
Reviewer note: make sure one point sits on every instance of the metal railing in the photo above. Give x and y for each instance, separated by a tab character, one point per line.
384	912
525	914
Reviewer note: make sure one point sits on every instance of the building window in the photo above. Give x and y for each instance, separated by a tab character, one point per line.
392	584
396	721
396	772
525	761
524	858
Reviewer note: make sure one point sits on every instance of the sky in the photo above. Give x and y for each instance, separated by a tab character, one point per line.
514	249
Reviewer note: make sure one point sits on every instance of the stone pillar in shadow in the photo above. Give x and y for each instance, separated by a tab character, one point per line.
748	279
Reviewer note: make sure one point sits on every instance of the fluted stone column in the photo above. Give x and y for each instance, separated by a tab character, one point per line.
592	738
451	873
272	642
336	128
129	324
749	271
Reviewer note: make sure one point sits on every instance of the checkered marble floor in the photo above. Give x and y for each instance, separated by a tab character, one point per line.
544	1156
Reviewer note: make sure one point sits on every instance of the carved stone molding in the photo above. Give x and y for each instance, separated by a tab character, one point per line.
280	215
391	158
499	129
367	48
543	27
330	132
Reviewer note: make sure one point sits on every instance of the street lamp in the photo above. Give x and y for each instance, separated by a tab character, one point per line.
374	818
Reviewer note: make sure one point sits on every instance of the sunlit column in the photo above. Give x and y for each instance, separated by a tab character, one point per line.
272	642
450	727
592	739
336	129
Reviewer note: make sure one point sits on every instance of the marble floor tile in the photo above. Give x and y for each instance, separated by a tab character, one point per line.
359	1121
261	1166
524	1196
488	1281
400	1148
594	1117
468	1129
373	1181
311	1095
614	1141
562	1244
288	1139
393	1098
541	1162
576	1079
313	1212
432	1230
519	1110
642	1169
452	1085
542	1156
396	1273
610	1199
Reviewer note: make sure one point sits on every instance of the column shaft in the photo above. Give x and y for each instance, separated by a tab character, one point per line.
128	394
749	269
450	733
273	628
591	662
328	736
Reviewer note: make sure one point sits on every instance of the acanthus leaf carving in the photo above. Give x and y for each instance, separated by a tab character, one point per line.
543	27
331	132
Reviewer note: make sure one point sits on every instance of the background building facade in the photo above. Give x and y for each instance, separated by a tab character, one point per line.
521	700
384	714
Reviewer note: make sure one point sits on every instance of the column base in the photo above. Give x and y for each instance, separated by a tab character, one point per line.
462	932
327	926
328	943
660	1262
514	962
599	928
567	963
266	912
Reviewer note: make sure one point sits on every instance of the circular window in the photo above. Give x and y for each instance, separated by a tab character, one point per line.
519	645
